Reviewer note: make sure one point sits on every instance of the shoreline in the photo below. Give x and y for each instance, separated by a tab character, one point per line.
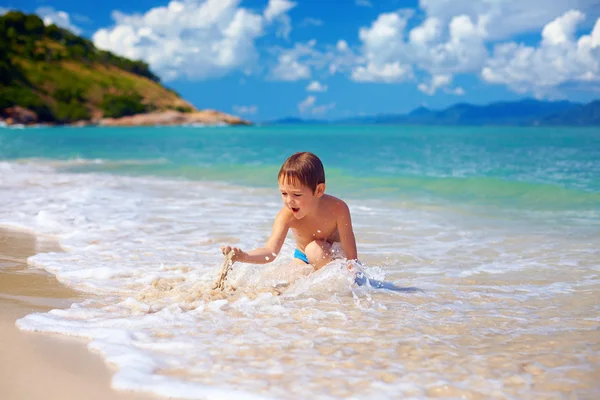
35	365
206	117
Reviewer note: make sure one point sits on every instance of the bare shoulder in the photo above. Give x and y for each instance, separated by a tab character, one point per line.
284	216
338	206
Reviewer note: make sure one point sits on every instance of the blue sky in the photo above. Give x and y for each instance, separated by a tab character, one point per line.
265	59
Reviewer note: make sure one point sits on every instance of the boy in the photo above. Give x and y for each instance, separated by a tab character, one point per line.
320	223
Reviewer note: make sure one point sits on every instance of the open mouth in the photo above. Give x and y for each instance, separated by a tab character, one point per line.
295	209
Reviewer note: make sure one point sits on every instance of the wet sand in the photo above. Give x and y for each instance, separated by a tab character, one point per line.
38	366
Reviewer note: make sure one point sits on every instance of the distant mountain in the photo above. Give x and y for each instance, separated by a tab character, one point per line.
524	112
420	111
582	115
527	112
295	121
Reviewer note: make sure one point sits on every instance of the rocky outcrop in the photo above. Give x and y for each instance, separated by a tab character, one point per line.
19	115
205	117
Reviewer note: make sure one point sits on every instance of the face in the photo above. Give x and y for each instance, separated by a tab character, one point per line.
300	199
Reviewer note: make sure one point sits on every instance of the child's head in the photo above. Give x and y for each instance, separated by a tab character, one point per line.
302	169
302	183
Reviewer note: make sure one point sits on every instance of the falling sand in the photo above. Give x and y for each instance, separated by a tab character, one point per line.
227	265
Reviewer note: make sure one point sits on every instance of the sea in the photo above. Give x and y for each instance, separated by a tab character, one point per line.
496	228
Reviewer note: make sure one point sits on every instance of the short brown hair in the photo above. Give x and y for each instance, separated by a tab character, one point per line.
302	168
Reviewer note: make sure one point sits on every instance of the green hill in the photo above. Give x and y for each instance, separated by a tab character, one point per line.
64	78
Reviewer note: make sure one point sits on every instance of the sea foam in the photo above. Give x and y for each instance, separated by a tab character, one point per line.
146	252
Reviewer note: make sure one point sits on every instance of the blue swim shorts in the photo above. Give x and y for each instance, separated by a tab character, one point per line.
301	256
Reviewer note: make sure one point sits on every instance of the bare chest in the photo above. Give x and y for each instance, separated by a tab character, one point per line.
316	229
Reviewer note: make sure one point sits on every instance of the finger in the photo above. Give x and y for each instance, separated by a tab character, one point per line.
236	252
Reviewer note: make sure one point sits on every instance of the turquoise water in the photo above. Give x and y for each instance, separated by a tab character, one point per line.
498	227
540	169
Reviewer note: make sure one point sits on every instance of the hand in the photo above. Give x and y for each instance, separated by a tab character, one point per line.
238	254
353	265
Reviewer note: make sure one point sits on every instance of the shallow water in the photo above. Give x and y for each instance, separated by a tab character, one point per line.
507	262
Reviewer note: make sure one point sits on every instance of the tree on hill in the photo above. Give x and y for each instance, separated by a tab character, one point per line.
114	106
21	31
33	76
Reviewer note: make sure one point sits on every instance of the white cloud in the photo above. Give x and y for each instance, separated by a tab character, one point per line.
562	29
253	109
289	68
559	59
428	32
308	106
60	18
383	41
200	39
390	58
308	21
276	10
388	72
454	36
363	3
316	86
300	61
342	45
340	58
462	50
322	109
437	81
4	10
197	39
295	64
384	50
505	18
285	27
440	82
457	91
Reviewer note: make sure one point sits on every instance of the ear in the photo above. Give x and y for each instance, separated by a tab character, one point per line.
320	190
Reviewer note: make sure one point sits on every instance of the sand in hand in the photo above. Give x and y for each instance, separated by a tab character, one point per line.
227	265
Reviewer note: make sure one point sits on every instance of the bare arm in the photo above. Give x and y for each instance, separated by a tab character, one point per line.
271	249
344	225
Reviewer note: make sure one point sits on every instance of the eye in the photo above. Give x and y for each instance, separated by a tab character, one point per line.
283	194
297	194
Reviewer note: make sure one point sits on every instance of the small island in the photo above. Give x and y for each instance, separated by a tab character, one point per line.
50	76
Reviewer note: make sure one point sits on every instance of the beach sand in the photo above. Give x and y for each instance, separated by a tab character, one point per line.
40	366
